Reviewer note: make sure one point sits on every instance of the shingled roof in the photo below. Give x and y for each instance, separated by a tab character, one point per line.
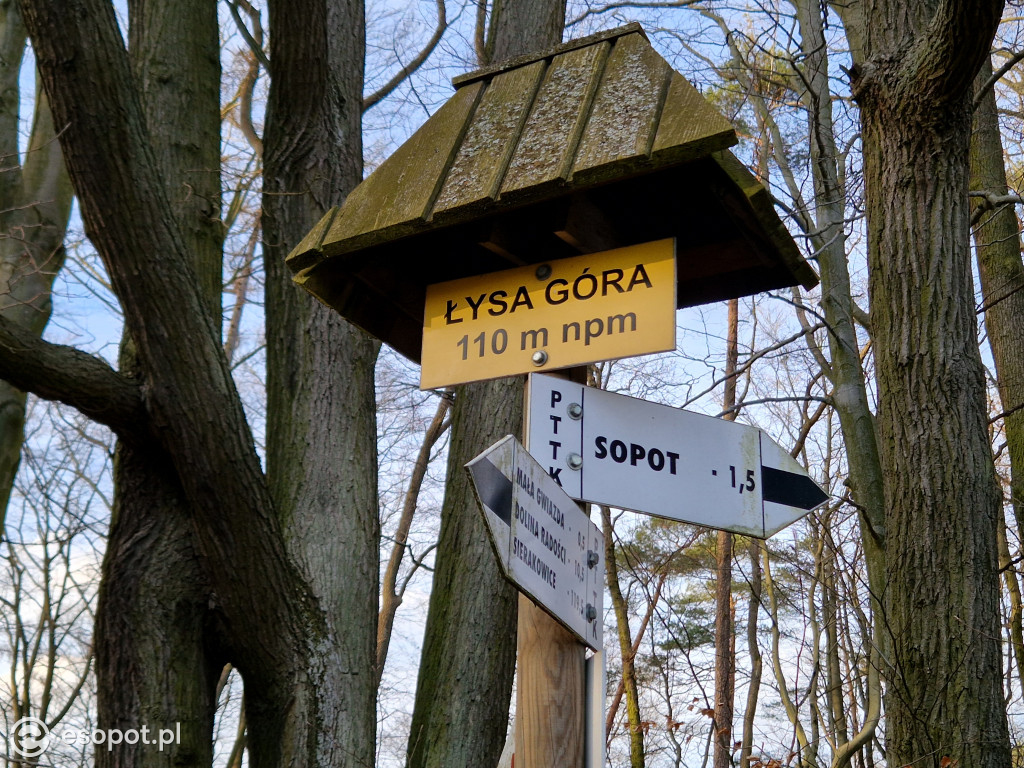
592	145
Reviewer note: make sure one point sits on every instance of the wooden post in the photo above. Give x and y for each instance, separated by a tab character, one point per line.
550	682
549	692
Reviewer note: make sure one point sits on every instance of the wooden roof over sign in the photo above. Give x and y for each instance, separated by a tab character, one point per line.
592	145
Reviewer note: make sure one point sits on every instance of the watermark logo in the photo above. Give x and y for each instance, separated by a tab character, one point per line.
29	738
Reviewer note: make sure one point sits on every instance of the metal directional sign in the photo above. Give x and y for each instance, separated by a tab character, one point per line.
561	313
545	543
632	454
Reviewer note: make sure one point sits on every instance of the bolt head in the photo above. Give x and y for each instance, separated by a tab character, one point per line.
591	612
539	357
543	271
574	461
575	411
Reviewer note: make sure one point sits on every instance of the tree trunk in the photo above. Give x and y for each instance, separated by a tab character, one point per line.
518	27
997	237
845	371
1016	626
155	667
620	689
998	251
321	427
913	84
849	388
626	652
756	663
725	637
835	706
725	652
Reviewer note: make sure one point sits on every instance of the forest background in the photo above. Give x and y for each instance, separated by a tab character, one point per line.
215	479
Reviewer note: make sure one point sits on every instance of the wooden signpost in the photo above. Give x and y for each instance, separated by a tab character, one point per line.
553	213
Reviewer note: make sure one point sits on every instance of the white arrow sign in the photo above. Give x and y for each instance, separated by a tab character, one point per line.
632	454
546	544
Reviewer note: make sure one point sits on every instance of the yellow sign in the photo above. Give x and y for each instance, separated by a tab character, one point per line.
580	310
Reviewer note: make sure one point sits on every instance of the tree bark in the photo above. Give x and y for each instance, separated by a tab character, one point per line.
175	58
725	652
523	26
156	667
321	427
913	81
72	377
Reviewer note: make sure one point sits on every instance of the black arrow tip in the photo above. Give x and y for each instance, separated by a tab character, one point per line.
494	488
790	489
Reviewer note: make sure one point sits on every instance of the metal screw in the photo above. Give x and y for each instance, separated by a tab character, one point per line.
543	272
575	411
574	460
591	612
539	357
592	558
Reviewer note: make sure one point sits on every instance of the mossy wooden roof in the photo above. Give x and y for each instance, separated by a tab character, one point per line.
592	145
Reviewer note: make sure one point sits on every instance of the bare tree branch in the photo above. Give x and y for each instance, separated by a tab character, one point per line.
245	93
809	419
753	357
391	596
240	287
257	57
862	317
794	399
812	343
1005	413
66	374
412	66
1015	58
254	43
992	200
626	4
